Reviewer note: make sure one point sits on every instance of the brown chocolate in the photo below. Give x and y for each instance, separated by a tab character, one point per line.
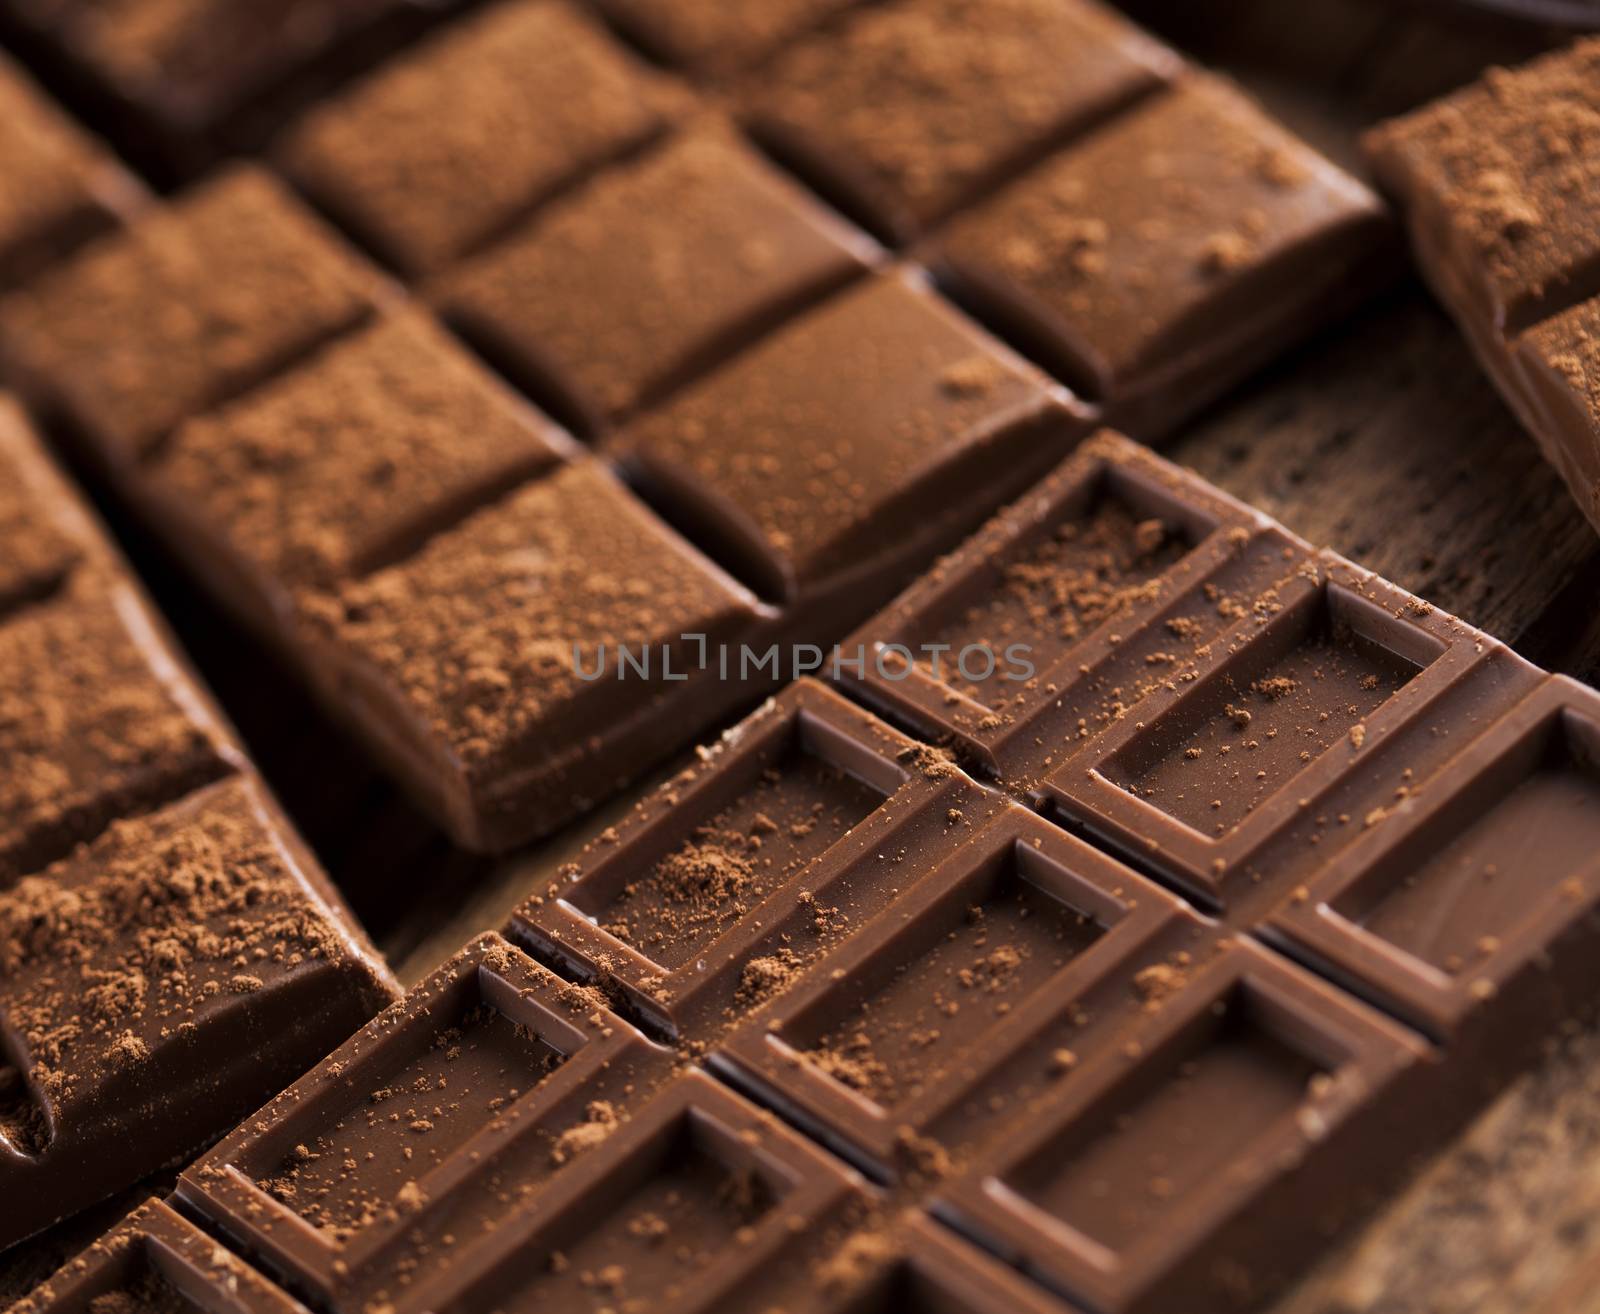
1203	1160
43	531
930	1032
796	482
914	108
466	660
719	889
167	946
350	460
428	1128
157	1261
650	274
1469	911
62	187
1153	262
233	282
713	36
444	148
1501	188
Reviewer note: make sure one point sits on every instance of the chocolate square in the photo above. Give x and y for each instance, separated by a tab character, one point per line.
1154	261
196	302
454	141
348	461
912	109
650	274
831	441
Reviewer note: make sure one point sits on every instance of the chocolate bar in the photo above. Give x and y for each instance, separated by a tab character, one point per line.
775	403
62	187
158	1259
1500	186
427	1130
446	147
167	946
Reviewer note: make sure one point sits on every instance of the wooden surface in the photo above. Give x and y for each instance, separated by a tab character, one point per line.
1381	439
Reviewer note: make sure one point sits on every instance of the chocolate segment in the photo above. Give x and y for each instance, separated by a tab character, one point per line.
912	109
651	273
158	1260
1162	255
1187	1164
795	483
1106	583
445	147
156	981
1502	182
349	461
426	1130
719	889
927	1035
97	723
1329	703
1558	363
465	661
1502	189
62	188
713	36
181	70
679	1205
1470	911
223	288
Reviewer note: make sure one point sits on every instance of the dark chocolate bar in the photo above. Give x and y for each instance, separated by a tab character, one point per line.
1501	186
158	1260
61	186
167	947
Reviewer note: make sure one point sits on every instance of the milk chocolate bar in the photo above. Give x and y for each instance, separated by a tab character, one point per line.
62	187
167	946
1501	188
158	1259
